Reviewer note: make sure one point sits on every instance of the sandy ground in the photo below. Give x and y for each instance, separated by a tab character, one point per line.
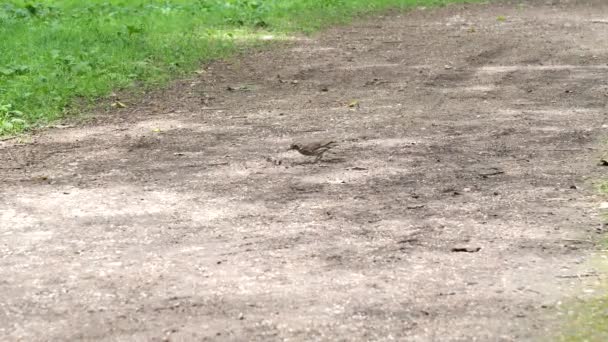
457	207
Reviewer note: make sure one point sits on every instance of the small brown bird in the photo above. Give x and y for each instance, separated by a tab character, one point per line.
313	148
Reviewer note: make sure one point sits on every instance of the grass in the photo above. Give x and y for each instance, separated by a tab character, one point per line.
588	320
59	53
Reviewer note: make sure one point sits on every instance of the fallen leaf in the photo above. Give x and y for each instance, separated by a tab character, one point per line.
63	126
239	88
375	81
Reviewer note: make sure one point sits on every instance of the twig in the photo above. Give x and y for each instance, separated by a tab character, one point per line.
570	149
8	138
577	240
415	206
585	275
312	130
491	173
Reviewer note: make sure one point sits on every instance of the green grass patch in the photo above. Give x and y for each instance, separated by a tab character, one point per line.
588	320
56	53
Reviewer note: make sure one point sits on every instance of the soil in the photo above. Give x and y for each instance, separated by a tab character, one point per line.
457	206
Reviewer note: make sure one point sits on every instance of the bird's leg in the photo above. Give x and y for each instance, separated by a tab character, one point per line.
319	156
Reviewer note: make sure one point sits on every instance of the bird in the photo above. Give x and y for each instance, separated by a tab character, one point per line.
313	148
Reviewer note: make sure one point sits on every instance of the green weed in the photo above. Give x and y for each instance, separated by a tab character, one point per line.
11	121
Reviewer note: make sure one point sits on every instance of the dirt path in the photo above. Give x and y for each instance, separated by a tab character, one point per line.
470	132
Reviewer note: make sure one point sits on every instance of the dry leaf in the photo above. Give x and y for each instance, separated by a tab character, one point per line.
353	104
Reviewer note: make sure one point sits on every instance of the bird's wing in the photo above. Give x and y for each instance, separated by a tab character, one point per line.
329	143
317	145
